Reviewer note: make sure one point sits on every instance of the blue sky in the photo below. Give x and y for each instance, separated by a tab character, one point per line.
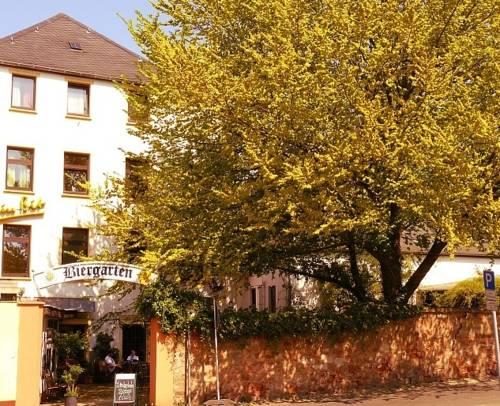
101	15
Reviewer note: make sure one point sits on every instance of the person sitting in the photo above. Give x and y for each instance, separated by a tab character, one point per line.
133	357
111	363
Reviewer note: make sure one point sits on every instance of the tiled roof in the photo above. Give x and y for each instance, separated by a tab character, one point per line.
45	47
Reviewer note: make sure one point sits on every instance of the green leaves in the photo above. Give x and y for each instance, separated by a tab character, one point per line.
273	124
467	294
180	311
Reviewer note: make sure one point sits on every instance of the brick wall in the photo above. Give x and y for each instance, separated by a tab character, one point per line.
432	347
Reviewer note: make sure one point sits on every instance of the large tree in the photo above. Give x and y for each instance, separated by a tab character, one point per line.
313	137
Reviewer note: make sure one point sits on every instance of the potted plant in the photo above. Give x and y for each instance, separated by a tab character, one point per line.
70	377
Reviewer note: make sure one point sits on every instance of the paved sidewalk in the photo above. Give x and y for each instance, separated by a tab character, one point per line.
99	395
456	393
464	393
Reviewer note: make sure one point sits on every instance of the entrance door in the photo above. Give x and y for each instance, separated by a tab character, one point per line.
134	338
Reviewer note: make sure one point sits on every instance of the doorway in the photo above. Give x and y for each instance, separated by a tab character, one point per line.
134	338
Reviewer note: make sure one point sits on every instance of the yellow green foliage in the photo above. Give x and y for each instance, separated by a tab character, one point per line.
468	294
285	132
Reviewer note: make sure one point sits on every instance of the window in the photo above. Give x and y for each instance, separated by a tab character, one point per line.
78	99
76	173
134	181
137	112
253	298
75	242
19	168
272	299
133	114
8	297
23	92
16	250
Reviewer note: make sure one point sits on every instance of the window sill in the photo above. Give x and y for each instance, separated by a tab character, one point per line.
78	117
19	192
76	195
21	110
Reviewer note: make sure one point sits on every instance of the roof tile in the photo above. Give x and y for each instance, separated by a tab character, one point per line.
45	47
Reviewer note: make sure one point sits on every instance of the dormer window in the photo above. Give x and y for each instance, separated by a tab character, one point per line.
75	45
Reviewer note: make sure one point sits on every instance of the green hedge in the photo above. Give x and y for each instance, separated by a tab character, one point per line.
180	311
300	322
467	294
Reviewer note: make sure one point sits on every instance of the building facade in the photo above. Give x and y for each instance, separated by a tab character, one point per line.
63	128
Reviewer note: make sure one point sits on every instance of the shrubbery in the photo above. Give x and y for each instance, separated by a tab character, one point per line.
180	311
467	294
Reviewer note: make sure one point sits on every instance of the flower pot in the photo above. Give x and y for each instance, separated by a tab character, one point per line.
70	401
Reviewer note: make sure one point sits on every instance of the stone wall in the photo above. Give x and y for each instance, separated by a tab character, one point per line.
433	347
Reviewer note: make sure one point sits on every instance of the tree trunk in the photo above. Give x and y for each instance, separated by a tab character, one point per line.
422	270
390	259
391	280
359	288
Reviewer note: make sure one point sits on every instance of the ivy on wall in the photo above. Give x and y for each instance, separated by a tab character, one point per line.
180	311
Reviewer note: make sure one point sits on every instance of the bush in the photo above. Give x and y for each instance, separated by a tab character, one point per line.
103	346
180	311
467	294
68	345
300	322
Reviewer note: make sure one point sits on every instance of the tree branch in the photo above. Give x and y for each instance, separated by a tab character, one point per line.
447	23
353	260
324	275
422	270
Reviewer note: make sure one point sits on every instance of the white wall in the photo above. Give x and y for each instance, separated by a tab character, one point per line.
50	133
105	137
262	283
451	270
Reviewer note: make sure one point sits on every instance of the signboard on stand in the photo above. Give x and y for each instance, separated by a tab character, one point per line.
125	389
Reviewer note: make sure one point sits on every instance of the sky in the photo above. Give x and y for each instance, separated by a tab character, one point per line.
100	15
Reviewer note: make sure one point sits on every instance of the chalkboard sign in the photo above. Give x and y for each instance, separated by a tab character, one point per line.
124	389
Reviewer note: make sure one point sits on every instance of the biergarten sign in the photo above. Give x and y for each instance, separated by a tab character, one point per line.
88	271
124	393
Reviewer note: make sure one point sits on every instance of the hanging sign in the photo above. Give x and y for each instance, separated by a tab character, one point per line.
124	393
87	271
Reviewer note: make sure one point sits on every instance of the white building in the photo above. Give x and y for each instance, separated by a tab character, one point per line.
63	123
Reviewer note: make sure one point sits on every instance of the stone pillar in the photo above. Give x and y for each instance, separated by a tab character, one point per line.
9	350
162	352
29	353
